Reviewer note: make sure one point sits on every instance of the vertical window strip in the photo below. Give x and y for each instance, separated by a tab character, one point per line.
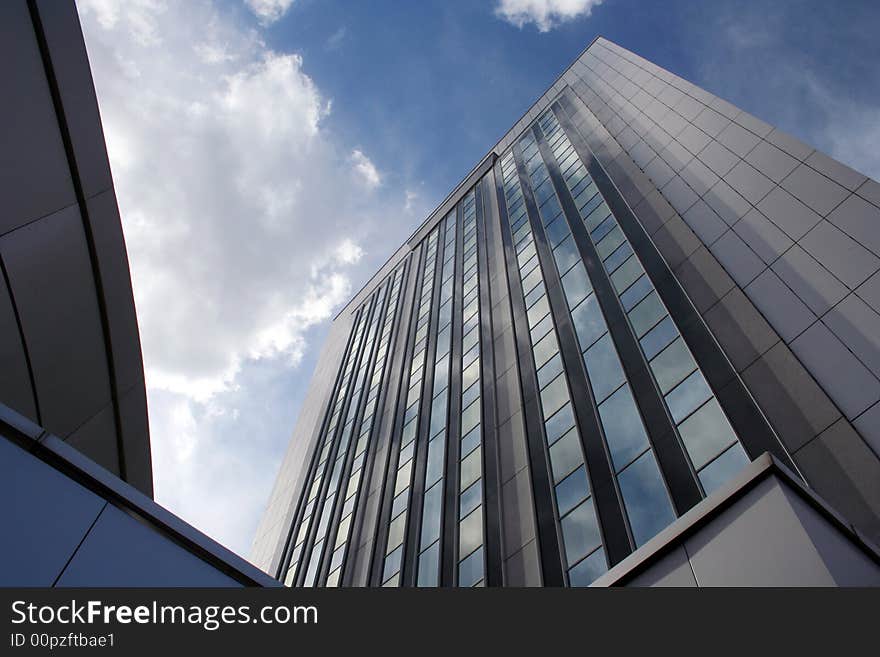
624	431
342	450
471	557
367	429
394	545
707	435
428	559
575	510
314	485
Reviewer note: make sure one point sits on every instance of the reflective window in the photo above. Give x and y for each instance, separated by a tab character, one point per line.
572	490
580	532
718	472
623	426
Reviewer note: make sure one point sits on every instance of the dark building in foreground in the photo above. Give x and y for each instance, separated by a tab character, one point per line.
639	339
75	467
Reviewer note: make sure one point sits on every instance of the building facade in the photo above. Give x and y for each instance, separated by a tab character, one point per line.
638	292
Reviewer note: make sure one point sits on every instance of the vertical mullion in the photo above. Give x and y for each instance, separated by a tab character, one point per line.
449	525
491	450
609	508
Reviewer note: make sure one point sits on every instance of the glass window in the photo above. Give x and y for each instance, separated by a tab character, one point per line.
471	441
538	311
626	274
441	375
554	395
470	417
429	566
550	370
646	314
658	337
435	460
557	425
623	426
395	531
566	255
603	366
603	228
471	498
438	414
576	285
392	563
470	535
719	471
613	261
588	570
431	516
402	477
470	375
470	395
557	231
607	245
672	365
545	349
542	328
596	216
565	455
580	532
572	491
589	324
470	571
706	433
688	396
645	497
471	468
399	504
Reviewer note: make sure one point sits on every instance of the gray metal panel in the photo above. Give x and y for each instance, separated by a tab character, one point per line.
34	178
51	280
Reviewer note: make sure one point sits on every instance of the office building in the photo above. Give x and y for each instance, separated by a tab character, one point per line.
640	336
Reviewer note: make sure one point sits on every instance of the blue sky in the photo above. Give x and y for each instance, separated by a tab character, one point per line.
268	155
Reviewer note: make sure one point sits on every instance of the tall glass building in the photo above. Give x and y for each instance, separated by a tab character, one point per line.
639	292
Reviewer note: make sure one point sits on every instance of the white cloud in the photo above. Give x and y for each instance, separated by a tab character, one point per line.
545	14
269	11
241	233
365	169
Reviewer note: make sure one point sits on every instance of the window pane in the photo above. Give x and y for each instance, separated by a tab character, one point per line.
392	563
626	274
610	242
550	370
470	571
566	255
470	535
545	349
719	471
588	570
688	396
471	499
580	532
538	310
623	426
471	441
471	468
572	491
576	286
658	337
395	531
706	433
435	460
589	324
557	231
604	368
429	566
431	517
554	395
647	313
566	455
672	365
470	417
617	258
645	497
557	425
